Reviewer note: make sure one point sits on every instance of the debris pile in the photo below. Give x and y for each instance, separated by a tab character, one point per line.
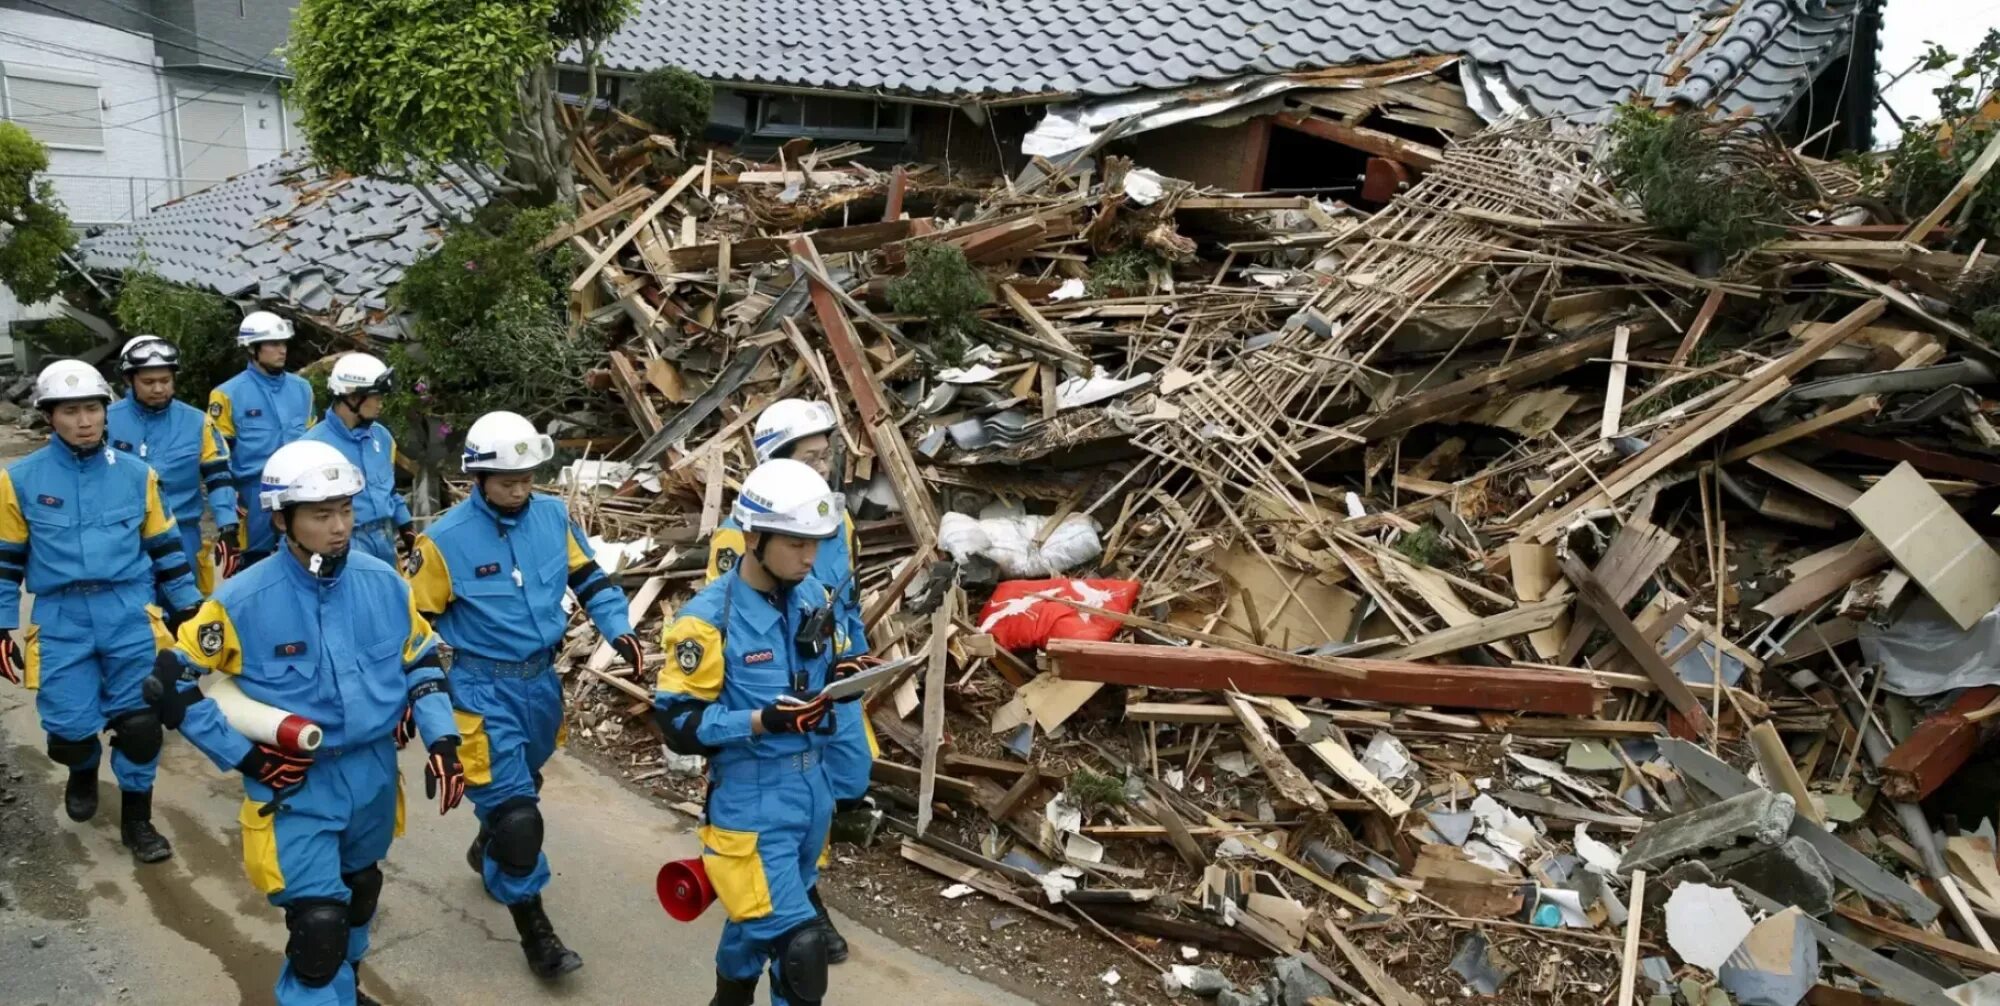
1486	596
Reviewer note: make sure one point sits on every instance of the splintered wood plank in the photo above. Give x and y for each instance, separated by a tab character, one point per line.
934	708
1534	571
610	251
1612	614
1290	782
1805	478
1960	952
981	881
1505	625
1351	771
1614	385
1867	405
1778	768
626	200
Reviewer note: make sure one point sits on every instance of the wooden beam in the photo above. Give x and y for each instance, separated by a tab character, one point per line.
1593	595
1967	183
1937	749
981	881
1483	383
1324	665
1960	952
1702	320
1178	712
752	251
1779	770
1628	966
1396	682
1864	556
1507	624
1373	141
1614	384
899	182
1866	405
610	251
633	391
1805	478
934	707
1924	458
1352	772
1049	336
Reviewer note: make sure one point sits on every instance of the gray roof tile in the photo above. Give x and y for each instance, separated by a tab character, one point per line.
276	231
1567	56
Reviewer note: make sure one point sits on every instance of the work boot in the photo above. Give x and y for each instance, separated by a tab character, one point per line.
80	796
855	822
475	856
364	999
734	992
836	944
547	957
135	828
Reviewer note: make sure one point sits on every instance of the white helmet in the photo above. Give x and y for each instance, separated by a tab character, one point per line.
70	381
789	421
263	326
143	352
787	497
360	374
506	442
307	471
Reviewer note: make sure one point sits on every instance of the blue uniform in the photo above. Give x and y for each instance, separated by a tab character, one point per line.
493	585
257	413
347	652
380	511
851	758
731	651
92	539
183	445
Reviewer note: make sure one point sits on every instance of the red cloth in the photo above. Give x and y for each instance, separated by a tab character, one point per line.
1022	616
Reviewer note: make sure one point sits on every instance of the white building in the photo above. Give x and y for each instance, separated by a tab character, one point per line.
141	102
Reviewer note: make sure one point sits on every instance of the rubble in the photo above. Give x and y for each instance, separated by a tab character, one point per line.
1362	600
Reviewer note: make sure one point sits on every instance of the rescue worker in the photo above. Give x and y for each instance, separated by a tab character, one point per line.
491	572
330	634
181	443
258	411
802	430
382	524
84	527
746	660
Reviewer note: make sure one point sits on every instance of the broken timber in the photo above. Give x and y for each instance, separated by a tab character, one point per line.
1398	682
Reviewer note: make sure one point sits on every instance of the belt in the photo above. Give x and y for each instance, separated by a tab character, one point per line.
92	587
530	668
751	767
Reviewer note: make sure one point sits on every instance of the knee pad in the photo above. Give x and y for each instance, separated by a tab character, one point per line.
72	753
515	836
318	945
802	962
365	887
138	735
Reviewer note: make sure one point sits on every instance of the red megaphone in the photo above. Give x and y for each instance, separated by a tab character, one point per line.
684	889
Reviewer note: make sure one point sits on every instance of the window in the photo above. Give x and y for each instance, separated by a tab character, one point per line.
570	84
60	109
214	144
831	118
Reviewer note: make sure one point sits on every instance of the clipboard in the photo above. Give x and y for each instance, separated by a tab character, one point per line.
861	682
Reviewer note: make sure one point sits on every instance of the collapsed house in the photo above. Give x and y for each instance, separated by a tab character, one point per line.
1478	594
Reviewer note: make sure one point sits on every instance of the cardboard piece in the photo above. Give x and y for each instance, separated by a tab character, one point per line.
1932	543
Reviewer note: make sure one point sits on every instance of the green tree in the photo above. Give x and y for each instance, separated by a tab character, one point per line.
675	100
401	89
200	324
38	232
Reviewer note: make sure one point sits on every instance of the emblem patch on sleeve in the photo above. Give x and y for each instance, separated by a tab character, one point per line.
688	655
209	638
215	409
725	560
413	563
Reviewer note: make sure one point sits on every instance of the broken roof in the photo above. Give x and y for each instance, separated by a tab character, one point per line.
284	231
1559	57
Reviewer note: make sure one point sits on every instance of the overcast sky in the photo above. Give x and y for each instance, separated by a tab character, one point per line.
1908	29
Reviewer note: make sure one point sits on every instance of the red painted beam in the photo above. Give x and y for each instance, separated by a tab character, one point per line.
1401	682
1937	749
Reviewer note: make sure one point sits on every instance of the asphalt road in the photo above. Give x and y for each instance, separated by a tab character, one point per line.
81	924
192	930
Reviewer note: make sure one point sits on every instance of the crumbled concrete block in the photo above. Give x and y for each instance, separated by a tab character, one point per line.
1793	873
1705	924
1759	815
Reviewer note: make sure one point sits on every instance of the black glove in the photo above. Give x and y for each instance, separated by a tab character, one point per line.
274	766
630	651
164	693
227	555
176	619
789	718
12	663
406	539
444	776
406	727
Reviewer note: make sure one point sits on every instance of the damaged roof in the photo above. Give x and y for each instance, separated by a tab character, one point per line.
285	231
1560	57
